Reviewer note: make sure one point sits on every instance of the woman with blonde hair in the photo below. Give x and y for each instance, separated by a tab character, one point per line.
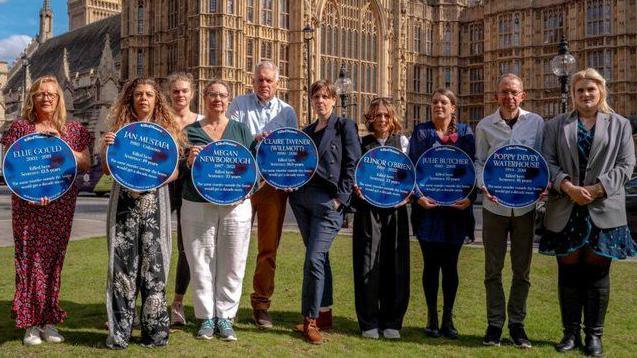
181	91
42	230
441	230
139	230
381	240
591	155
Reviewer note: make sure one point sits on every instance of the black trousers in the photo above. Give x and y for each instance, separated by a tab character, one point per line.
381	267
440	257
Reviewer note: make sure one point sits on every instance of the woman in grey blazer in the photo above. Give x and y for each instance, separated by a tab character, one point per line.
591	156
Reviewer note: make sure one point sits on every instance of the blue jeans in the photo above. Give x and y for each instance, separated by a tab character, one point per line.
318	223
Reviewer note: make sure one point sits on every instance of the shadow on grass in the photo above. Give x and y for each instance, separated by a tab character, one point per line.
417	335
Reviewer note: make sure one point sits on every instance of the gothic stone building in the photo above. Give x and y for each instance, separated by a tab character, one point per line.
398	48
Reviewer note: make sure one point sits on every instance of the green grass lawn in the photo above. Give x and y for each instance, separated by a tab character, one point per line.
84	279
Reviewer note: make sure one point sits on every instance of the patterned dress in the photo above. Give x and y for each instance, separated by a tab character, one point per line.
614	243
41	234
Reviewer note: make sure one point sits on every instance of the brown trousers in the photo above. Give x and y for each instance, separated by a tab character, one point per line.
269	206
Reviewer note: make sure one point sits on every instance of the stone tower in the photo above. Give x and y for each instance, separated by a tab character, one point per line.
84	12
46	23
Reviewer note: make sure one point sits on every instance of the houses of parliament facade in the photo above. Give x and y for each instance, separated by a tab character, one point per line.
402	49
397	48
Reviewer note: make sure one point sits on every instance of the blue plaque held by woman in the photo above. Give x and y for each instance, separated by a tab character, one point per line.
445	174
39	165
143	156
385	176
224	172
516	175
287	158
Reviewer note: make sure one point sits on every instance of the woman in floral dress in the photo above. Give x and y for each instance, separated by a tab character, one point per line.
139	231
42	230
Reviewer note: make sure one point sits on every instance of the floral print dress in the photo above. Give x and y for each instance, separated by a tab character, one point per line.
41	234
139	241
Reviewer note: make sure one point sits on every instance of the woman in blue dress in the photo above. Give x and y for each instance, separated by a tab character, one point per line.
590	153
441	230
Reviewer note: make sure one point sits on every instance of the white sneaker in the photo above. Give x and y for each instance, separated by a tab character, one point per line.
51	335
32	336
371	333
391	333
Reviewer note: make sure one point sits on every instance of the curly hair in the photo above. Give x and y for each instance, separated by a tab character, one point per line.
394	122
28	110
123	111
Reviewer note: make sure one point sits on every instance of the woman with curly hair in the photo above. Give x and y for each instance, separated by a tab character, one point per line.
41	230
139	231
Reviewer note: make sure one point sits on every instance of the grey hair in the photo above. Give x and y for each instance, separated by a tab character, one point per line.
269	66
510	76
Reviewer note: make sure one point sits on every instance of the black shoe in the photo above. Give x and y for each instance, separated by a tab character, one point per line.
594	313
432	324
593	343
492	336
446	328
518	336
570	341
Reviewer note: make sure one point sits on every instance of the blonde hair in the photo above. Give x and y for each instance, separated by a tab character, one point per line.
394	123
28	110
454	102
592	75
123	113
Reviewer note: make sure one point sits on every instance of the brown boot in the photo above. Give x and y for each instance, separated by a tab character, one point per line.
324	320
311	331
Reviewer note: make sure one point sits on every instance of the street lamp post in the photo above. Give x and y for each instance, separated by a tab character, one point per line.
308	35
563	65
25	65
344	88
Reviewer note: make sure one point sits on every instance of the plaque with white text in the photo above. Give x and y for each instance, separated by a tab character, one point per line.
445	174
38	166
287	158
224	172
516	175
143	156
385	176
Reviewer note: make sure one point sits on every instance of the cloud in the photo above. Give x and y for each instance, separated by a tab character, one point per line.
4	1
12	46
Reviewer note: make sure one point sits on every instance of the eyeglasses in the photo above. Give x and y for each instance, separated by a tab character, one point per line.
511	93
217	95
42	95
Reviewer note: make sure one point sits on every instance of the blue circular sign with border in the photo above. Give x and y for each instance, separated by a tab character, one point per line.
39	165
385	176
445	174
516	175
287	158
143	156
224	172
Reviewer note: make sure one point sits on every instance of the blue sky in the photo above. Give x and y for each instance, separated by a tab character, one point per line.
19	22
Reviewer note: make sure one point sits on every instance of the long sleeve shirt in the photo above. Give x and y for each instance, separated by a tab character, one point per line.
262	117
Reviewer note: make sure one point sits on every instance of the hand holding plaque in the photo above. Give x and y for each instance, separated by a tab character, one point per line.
39	168
385	177
516	175
446	175
287	158
142	157
224	172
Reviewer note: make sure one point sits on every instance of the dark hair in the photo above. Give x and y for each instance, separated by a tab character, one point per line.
323	84
217	82
454	101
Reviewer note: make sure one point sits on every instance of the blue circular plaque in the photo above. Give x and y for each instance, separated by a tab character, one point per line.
143	156
516	175
445	174
287	158
385	176
38	166
224	172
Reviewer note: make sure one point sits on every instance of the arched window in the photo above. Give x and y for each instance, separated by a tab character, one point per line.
350	35
140	17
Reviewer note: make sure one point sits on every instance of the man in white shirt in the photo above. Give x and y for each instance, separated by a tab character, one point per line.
262	111
510	124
